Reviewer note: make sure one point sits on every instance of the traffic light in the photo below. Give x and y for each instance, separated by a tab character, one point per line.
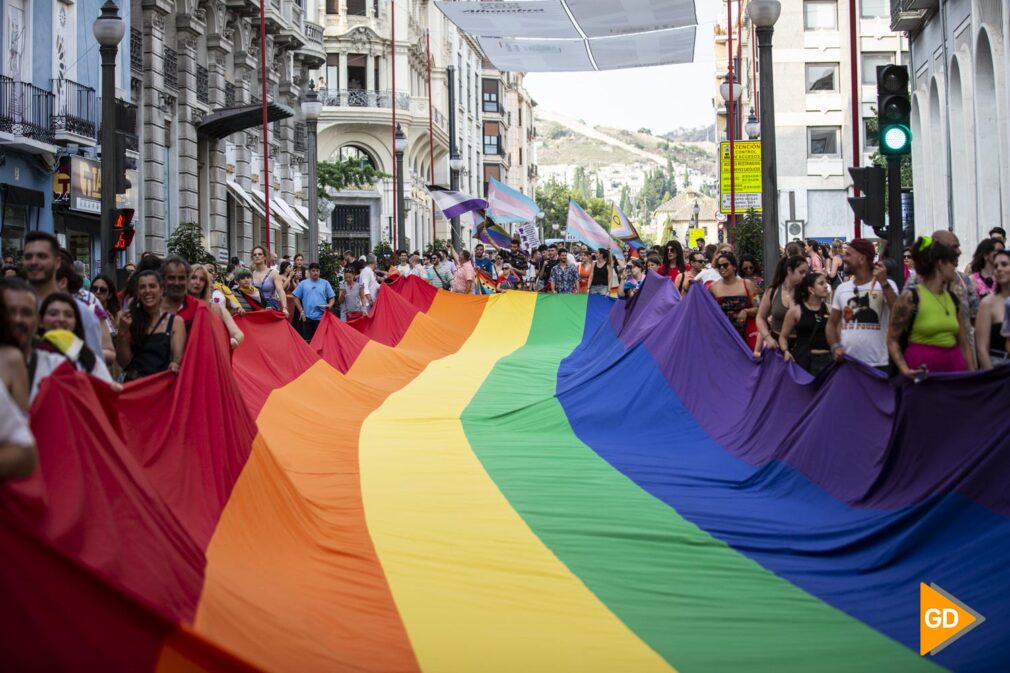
894	110
122	228
870	206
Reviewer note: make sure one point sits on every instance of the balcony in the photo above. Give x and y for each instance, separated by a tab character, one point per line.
909	15
274	17
359	98
75	117
300	136
313	52
26	116
293	34
136	50
229	94
202	84
171	68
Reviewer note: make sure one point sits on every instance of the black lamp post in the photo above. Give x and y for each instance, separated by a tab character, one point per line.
108	30
764	14
401	216
311	107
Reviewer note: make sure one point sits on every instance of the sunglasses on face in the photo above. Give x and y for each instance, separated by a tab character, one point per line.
724	265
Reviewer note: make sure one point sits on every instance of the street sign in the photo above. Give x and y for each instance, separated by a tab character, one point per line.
747	172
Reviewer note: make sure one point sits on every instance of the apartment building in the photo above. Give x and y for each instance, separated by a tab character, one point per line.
816	141
508	130
49	123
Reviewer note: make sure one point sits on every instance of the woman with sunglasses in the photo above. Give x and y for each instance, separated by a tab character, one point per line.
269	283
751	270
672	261
104	289
777	301
734	295
806	323
990	343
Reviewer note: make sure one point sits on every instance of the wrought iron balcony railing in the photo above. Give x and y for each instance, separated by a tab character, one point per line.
362	98
171	68
136	50
76	108
26	110
202	84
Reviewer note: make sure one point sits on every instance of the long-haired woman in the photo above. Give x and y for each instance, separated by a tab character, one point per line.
60	312
672	260
806	323
149	340
983	268
777	300
990	343
268	281
201	286
927	333
734	295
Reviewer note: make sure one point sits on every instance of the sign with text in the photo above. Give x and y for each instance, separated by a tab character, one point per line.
77	183
746	173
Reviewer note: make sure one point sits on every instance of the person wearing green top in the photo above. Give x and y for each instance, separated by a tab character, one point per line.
928	332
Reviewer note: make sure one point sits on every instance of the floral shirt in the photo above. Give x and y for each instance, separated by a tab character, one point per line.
565	279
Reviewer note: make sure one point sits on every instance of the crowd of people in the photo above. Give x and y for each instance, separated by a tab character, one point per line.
817	304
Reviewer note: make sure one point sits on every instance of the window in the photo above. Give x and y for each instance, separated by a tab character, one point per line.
869	9
492	138
871	136
820	15
822	141
490	90
871	60
822	77
332	7
353	152
491	171
332	72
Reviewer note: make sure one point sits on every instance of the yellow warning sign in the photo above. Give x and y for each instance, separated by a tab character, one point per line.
746	169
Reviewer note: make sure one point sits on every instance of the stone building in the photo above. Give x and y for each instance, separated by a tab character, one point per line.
508	130
197	81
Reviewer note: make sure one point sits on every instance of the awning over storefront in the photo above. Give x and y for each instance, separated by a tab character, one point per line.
19	196
230	120
242	196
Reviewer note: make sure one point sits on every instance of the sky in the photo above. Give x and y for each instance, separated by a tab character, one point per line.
660	98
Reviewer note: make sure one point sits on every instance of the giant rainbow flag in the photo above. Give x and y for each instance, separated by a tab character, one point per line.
513	482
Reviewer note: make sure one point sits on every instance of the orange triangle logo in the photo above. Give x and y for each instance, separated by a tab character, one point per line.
942	619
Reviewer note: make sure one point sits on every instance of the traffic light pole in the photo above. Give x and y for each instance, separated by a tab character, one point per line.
108	168
895	228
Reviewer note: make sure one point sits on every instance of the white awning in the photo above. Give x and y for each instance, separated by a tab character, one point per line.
242	196
287	214
571	35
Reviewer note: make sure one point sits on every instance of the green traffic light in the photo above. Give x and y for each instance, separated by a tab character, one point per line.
896	139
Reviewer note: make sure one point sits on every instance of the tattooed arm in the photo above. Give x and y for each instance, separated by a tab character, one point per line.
902	316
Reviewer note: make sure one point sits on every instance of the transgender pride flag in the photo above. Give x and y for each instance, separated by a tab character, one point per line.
585	229
508	206
453	204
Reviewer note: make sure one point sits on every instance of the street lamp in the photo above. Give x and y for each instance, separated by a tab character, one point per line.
752	128
725	89
764	14
455	166
108	30
311	107
399	147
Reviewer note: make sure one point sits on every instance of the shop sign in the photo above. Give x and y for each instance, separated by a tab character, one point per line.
78	184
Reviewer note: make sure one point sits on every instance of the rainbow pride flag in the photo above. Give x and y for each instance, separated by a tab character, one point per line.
484	283
513	482
489	233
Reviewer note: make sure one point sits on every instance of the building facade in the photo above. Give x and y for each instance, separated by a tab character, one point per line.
814	95
50	77
508	130
960	115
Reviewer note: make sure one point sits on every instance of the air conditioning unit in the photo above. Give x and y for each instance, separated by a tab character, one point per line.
794	229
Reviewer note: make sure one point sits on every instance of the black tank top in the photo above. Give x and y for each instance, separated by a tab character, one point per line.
154	353
810	329
599	275
997	342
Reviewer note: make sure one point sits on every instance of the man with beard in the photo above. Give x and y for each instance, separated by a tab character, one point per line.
481	262
23	316
41	259
861	308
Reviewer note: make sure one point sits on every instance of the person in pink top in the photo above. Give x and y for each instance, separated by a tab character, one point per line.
462	280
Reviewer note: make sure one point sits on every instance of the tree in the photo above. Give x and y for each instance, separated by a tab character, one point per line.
346	173
625	201
553	199
646	131
381	248
749	236
581	186
599	188
329	263
599	210
187	242
437	244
